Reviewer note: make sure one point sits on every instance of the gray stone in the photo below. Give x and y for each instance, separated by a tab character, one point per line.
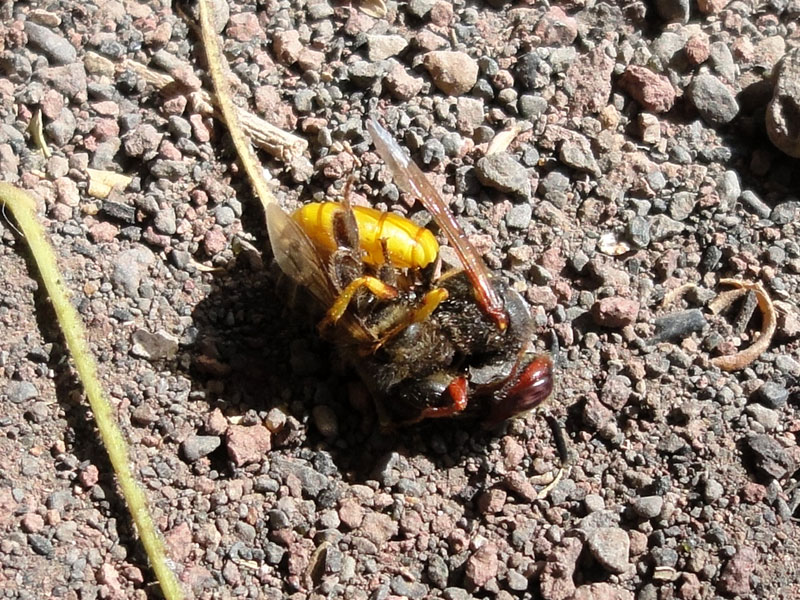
503	172
129	268
721	59
437	571
104	155
533	71
53	45
61	129
18	392
196	447
452	143
714	100
713	491
554	186
319	9
662	227
224	215
576	152
420	8
381	47
755	204
772	395
165	221
273	553
678	325
681	205
729	188
364	73
408	589
531	106
304	101
519	217
785	212
154	346
637	232
647	507
610	546
432	152
120	211
768	455
783	110
311	481
766	417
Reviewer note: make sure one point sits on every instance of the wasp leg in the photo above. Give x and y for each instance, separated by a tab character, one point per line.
373	284
430	301
458	393
386	271
345	227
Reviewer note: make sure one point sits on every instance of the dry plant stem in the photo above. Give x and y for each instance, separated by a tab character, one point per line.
217	68
677	293
22	207
741	359
278	143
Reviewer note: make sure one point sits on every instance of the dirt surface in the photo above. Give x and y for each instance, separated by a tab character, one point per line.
655	147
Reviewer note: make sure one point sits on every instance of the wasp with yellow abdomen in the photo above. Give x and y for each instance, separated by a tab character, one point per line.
426	344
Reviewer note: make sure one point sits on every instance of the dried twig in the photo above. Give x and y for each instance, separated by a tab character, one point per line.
740	360
217	68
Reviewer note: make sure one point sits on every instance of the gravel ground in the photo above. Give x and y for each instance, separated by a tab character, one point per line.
657	146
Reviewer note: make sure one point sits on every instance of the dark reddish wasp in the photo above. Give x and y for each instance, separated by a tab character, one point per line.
425	344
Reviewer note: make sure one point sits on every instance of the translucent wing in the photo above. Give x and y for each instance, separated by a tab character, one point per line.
297	257
411	180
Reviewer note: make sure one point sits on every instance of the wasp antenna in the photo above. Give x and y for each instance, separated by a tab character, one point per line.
560	440
555	349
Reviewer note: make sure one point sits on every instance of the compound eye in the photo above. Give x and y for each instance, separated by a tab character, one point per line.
533	387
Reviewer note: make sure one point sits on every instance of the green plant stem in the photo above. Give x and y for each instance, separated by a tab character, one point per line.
22	206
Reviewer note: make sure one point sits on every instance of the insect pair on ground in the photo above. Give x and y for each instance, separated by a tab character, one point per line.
426	344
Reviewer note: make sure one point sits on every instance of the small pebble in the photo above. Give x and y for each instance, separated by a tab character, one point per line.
503	172
610	546
652	91
381	47
766	417
647	507
714	100
520	216
782	118
679	325
768	455
154	346
18	392
785	212
755	204
454	73
482	566
247	444
735	577
196	447
772	395
54	46
615	312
